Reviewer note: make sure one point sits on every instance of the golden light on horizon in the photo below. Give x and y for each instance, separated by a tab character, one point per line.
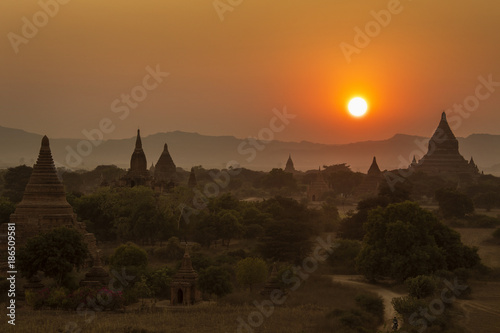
357	107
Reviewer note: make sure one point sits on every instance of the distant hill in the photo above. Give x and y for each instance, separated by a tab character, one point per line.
189	149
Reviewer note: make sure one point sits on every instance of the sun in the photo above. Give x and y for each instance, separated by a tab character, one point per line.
357	107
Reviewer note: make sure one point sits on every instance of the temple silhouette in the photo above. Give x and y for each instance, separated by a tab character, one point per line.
443	156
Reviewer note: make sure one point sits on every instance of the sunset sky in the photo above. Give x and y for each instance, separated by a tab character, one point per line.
226	76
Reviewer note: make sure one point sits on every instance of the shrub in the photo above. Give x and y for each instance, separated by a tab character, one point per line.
159	282
496	236
407	305
95	298
344	255
131	257
373	304
36	299
421	286
58	298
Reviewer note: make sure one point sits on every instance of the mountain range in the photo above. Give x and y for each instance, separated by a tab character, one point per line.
191	149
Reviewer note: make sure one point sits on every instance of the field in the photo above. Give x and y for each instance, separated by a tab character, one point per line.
304	311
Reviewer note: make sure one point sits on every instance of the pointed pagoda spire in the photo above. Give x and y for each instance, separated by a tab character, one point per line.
138	141
138	162
443	137
272	282
374	169
165	167
186	271
289	165
44	191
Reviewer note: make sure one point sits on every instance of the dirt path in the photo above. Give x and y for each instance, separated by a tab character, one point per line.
386	294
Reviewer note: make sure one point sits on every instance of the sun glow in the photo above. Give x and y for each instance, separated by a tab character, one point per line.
357	107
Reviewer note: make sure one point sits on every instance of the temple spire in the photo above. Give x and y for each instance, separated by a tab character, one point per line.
138	141
443	116
374	169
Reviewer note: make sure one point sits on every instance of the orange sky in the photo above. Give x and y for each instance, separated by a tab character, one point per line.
225	77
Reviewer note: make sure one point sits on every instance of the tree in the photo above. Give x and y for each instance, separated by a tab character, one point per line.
277	178
228	225
16	180
453	203
215	280
6	208
421	286
351	226
287	236
54	253
130	257
404	240
251	271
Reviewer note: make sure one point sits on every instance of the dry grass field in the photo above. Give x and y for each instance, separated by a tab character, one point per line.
304	311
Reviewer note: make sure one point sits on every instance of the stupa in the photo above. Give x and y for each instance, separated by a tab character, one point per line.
44	205
165	167
289	165
138	174
372	181
183	289
317	187
443	156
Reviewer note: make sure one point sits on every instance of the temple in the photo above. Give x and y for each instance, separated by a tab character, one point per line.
317	187
443	156
289	165
138	174
165	167
372	181
44	205
183	290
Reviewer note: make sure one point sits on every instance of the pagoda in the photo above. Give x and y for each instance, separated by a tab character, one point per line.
443	156
165	168
138	174
183	290
44	205
289	165
317	187
372	181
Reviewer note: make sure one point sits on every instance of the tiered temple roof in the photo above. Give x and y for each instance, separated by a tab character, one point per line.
165	167
289	165
372	181
44	205
443	156
183	290
317	187
138	173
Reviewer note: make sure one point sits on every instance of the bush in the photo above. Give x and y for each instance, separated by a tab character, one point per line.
58	298
215	280
343	257
373	304
407	305
131	257
421	286
159	282
496	236
36	299
96	298
253	231
84	297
